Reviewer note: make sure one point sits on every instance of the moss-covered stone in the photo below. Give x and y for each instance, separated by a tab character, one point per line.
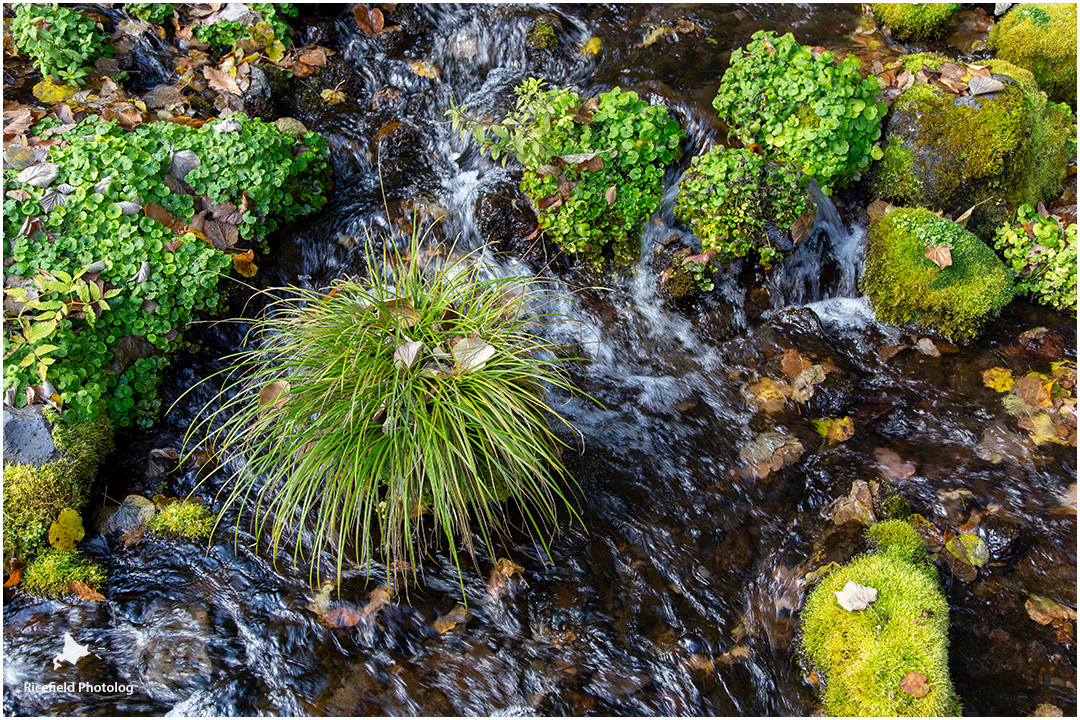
906	287
915	21
994	152
35	496
49	574
542	35
890	504
1041	37
863	656
899	537
183	520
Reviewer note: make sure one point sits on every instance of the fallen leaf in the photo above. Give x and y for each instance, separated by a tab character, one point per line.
770	451
999	379
402	309
183	162
273	393
290	126
133	536
369	20
803	385
915	685
221	81
13	578
472	353
499	583
406	354
878	209
892	465
452	619
67	531
163	96
980	85
135	510
855	597
591	46
1044	610
331	96
40	175
836	429
792	362
657	33
1048	710
50	93
85	592
939	255
379	598
800	229
342	617
611	195
424	69
857	505
768	394
968	548
927	347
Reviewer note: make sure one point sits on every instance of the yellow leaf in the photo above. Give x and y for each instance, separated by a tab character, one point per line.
835	429
243	264
999	379
591	47
332	97
1043	431
275	50
424	69
50	93
67	531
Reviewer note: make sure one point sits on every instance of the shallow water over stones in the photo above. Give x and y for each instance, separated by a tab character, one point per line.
680	593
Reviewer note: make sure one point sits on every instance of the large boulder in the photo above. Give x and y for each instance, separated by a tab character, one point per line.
905	286
993	151
1041	37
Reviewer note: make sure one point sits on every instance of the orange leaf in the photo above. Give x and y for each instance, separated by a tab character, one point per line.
242	263
14	578
342	617
915	685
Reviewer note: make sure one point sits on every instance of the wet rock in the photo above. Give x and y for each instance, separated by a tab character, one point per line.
28	437
890	503
505	220
1044	342
1002	538
169	649
857	505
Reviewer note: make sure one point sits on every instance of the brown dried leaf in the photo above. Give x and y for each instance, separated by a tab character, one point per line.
611	194
223	236
221	81
369	20
379	598
273	393
793	362
341	617
939	255
243	262
163	216
892	465
83	592
133	536
803	385
227	213
800	229
13	578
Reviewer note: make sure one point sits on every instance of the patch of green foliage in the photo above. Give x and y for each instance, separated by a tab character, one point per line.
1014	149
890	504
50	572
542	35
803	107
415	392
102	344
182	520
1042	255
61	41
915	21
35	497
154	12
225	34
593	168
731	197
904	286
863	656
1041	37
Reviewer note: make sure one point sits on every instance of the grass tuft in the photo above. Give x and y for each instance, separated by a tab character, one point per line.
408	400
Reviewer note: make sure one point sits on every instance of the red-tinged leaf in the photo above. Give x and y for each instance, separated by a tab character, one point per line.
915	685
939	255
700	258
342	617
550	201
369	20
84	592
800	229
173	244
793	362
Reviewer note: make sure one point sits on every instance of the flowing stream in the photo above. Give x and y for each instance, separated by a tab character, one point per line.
679	590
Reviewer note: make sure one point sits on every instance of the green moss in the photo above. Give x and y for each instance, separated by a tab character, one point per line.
914	63
915	21
899	538
34	497
1014	149
1042	38
51	571
541	35
183	520
863	656
890	504
905	287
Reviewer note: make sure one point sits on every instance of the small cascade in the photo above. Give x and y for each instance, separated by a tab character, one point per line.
825	265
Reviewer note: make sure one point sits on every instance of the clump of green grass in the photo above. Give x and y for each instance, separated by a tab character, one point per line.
417	390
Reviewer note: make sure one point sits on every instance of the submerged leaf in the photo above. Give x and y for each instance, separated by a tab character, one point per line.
591	46
452	619
1044	610
134	511
855	597
85	592
999	379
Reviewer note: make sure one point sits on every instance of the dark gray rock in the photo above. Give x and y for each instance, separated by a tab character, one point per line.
28	437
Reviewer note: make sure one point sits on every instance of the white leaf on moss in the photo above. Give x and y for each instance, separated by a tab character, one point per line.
855	597
102	186
471	353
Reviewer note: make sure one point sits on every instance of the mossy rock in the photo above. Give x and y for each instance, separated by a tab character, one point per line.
906	287
183	521
863	656
1041	37
49	574
34	497
915	21
994	152
542	34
